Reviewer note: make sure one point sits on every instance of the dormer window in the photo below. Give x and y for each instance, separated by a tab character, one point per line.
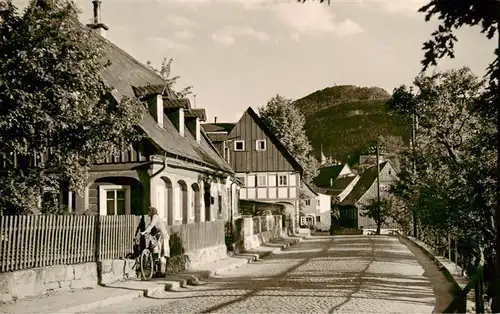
239	145
260	145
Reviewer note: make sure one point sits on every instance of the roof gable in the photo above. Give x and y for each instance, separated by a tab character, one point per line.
244	132
367	179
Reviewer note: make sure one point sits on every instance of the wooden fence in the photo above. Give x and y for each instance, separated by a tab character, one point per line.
200	235
29	241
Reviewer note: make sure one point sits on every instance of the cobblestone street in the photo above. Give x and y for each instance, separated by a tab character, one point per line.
348	274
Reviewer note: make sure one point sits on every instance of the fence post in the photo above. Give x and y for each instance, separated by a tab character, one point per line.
449	247
478	290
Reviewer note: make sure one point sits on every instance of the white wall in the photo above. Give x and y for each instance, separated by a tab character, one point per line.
159	194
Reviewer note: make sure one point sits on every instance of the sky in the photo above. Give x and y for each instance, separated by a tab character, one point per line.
240	53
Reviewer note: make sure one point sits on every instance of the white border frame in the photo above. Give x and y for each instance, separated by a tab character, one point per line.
102	197
239	141
257	148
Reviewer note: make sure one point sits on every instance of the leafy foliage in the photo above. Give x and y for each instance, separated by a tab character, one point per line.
454	15
379	212
287	123
58	117
165	72
346	120
450	181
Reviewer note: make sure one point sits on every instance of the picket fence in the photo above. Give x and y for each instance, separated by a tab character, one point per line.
29	241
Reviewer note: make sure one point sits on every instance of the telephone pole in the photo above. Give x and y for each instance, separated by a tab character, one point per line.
378	189
413	146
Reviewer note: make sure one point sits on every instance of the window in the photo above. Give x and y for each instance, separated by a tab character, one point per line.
318	219
260	145
308	202
390	172
239	145
114	200
261	180
317	202
282	180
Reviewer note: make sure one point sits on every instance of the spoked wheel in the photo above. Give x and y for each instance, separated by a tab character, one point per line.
147	265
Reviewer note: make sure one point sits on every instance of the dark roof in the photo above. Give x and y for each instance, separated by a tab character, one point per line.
128	76
272	137
218	127
217	138
343	182
366	180
169	102
328	191
195	113
325	173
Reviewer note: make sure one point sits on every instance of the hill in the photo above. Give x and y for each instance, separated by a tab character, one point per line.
347	119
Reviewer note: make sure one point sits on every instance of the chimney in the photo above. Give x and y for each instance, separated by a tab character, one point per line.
215	119
97	25
155	104
331	181
181	121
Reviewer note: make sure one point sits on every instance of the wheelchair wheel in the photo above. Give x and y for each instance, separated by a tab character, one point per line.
147	265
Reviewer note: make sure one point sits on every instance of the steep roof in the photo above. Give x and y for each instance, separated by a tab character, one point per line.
129	78
366	180
343	182
325	173
272	137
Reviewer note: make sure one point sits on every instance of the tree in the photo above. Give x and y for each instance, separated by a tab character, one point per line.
455	15
371	210
287	123
165	72
57	115
450	181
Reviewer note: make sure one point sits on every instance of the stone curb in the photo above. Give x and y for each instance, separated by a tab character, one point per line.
101	303
436	259
247	258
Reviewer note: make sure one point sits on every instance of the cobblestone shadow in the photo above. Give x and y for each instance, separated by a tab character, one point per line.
349	274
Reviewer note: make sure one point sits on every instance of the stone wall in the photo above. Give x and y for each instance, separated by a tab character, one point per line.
115	270
21	284
37	281
251	240
207	255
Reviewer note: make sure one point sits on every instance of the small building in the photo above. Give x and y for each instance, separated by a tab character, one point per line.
317	208
267	169
364	191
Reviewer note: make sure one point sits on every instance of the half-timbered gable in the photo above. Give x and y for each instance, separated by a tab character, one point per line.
269	172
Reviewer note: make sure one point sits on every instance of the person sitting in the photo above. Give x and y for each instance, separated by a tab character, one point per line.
159	225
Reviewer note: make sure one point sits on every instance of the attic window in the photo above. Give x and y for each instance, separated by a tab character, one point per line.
260	145
239	145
